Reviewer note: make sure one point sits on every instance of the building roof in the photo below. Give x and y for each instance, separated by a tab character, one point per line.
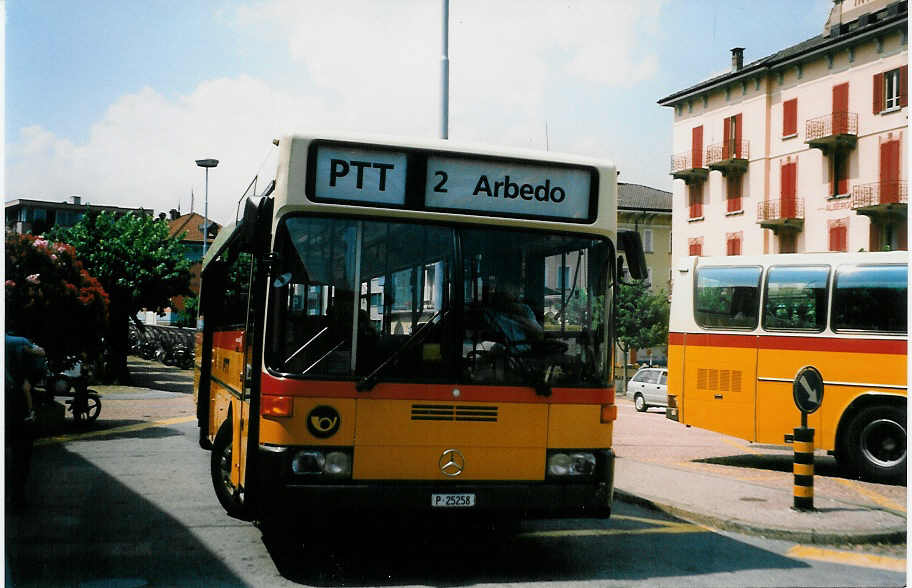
47	205
191	224
865	26
639	197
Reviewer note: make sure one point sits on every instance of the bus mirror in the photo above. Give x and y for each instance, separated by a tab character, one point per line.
282	280
633	250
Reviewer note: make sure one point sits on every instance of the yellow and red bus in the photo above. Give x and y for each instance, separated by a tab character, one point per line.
418	325
741	328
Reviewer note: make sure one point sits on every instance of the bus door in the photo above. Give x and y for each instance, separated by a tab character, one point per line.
720	363
794	307
240	277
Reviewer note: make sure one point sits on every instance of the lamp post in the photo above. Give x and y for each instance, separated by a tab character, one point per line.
206	163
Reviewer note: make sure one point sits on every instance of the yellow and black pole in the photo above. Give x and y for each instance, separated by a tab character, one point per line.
808	394
803	466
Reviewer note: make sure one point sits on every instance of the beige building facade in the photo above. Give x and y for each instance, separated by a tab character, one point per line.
802	151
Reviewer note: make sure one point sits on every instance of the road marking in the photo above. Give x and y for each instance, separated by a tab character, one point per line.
114	431
864	560
666	527
873	496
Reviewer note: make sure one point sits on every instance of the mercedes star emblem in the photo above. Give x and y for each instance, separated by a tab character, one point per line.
451	463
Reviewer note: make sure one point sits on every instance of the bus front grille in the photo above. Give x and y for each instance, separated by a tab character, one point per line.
445	412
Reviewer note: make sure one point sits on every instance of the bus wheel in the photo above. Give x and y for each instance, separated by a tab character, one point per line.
232	498
639	402
876	443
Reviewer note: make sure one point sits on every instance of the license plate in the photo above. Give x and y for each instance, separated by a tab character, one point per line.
452	500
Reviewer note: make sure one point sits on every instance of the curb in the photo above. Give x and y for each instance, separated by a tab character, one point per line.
895	535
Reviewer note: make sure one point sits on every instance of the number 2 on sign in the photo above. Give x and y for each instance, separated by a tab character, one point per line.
443	178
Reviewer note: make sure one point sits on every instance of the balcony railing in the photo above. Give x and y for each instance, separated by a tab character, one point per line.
688	166
839	129
880	194
728	156
782	213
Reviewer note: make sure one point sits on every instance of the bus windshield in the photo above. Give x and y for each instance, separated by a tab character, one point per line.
422	302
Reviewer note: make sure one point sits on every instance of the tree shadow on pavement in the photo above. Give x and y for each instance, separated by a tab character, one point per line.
82	526
156	376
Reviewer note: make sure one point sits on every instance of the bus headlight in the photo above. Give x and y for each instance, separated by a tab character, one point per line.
338	464
314	462
570	463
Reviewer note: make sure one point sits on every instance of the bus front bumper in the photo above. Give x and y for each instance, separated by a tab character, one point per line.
279	491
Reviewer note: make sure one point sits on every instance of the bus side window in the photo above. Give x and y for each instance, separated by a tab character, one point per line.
727	297
871	298
796	298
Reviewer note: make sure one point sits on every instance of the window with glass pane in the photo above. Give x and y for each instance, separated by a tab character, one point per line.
727	297
796	298
498	320
401	273
871	298
891	89
535	308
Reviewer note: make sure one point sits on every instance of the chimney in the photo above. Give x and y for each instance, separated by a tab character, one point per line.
737	59
77	200
161	216
174	213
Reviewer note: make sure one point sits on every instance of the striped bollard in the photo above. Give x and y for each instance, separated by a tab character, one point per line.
803	469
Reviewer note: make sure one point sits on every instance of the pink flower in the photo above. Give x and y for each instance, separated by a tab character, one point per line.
33	279
10	284
40	243
61	249
53	257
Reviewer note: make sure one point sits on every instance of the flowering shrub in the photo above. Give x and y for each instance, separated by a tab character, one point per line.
52	300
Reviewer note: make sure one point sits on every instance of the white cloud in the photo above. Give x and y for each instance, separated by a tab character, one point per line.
367	66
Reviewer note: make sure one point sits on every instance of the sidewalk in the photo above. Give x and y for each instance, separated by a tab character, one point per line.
729	484
692	474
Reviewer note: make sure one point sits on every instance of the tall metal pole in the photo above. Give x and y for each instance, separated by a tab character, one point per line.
206	215
445	74
206	163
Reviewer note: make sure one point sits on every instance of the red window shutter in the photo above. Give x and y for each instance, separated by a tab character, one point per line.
726	137
695	249
733	193
904	85
841	171
889	172
788	177
737	146
790	117
878	93
738	246
841	109
902	236
838	238
696	147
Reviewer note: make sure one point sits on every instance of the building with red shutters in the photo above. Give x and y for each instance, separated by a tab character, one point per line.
802	150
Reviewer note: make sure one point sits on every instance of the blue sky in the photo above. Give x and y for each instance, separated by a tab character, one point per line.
114	101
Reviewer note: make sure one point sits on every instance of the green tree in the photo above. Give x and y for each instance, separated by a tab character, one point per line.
139	266
52	300
642	318
187	316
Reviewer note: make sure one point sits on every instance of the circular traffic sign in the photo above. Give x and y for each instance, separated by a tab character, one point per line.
808	389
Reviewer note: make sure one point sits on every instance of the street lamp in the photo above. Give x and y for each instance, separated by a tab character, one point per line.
206	163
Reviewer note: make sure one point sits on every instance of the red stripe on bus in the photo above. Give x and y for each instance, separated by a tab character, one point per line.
228	339
272	385
835	344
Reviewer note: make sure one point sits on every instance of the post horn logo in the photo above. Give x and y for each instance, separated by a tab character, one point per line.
451	463
323	422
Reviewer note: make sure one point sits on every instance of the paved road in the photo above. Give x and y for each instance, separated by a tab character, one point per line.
131	504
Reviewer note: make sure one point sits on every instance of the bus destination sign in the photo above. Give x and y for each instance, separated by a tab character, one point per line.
360	175
507	188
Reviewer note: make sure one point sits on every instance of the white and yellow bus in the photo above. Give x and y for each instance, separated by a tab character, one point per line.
419	325
741	329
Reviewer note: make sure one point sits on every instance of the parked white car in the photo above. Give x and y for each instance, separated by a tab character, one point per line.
649	387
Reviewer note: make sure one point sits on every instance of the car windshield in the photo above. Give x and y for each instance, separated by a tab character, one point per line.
433	303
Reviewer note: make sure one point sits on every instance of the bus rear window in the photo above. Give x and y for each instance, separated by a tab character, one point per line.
796	298
727	297
871	298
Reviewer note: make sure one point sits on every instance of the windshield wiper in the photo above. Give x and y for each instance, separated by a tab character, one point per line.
370	380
